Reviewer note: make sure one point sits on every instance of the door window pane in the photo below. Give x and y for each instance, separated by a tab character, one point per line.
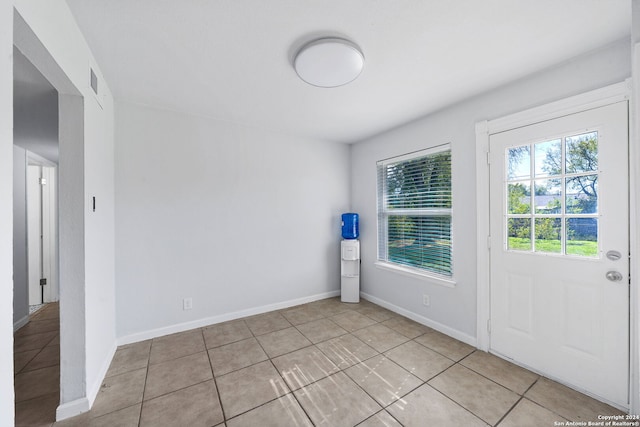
582	153
519	163
519	198
582	236
552	196
548	158
548	232
519	232
548	196
582	194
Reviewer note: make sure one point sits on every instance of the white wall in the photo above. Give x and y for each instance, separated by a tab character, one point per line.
51	40
454	309
236	218
20	275
6	214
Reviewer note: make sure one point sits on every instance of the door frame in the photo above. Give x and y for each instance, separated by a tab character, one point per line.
597	98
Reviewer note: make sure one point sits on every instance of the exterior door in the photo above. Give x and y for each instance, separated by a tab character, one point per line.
560	249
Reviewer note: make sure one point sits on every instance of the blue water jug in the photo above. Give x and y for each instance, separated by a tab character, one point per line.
350	226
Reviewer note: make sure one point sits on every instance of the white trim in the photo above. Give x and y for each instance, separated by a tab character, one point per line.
597	98
415	154
93	389
634	231
575	104
78	406
207	321
453	333
20	323
483	254
73	408
416	273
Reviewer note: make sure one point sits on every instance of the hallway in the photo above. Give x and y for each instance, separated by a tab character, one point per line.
36	355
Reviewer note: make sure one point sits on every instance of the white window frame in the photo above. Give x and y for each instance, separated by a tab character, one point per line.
414	272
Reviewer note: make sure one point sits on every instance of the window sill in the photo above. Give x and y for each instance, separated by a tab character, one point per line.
417	274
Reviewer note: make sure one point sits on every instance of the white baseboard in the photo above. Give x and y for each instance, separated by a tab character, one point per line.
73	408
454	333
20	323
93	389
181	327
78	406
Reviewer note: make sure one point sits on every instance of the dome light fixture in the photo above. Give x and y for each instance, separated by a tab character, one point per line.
329	62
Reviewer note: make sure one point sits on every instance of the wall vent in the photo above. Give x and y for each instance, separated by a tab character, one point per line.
94	85
94	81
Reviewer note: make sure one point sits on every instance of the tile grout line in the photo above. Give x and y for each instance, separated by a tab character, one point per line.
292	392
539	404
509	411
144	387
213	375
22	370
456	403
491	379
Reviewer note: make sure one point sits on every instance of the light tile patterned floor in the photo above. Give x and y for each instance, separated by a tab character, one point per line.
320	364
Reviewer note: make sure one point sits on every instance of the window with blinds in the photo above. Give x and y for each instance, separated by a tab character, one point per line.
414	211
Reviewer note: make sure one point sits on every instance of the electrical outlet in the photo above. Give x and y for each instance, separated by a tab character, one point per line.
426	300
187	303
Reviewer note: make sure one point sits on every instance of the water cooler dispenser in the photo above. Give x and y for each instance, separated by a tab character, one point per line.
350	259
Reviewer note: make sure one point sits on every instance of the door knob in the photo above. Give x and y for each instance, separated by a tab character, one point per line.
614	276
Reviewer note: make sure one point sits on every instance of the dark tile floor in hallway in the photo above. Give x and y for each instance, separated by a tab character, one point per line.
36	355
325	363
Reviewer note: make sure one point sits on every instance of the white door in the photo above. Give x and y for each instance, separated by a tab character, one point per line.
559	249
34	233
49	231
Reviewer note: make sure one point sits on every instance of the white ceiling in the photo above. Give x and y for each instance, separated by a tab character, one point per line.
231	59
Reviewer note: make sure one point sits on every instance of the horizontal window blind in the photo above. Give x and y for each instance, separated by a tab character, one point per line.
414	210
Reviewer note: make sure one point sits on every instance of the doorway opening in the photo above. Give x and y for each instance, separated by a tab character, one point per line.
36	153
36	261
69	382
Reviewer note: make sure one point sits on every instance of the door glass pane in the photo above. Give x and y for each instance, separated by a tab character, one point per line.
548	158
519	232
548	232
519	198
518	162
548	196
582	153
547	182
582	236
582	194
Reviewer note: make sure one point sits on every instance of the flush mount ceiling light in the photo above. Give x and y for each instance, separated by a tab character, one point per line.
329	62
